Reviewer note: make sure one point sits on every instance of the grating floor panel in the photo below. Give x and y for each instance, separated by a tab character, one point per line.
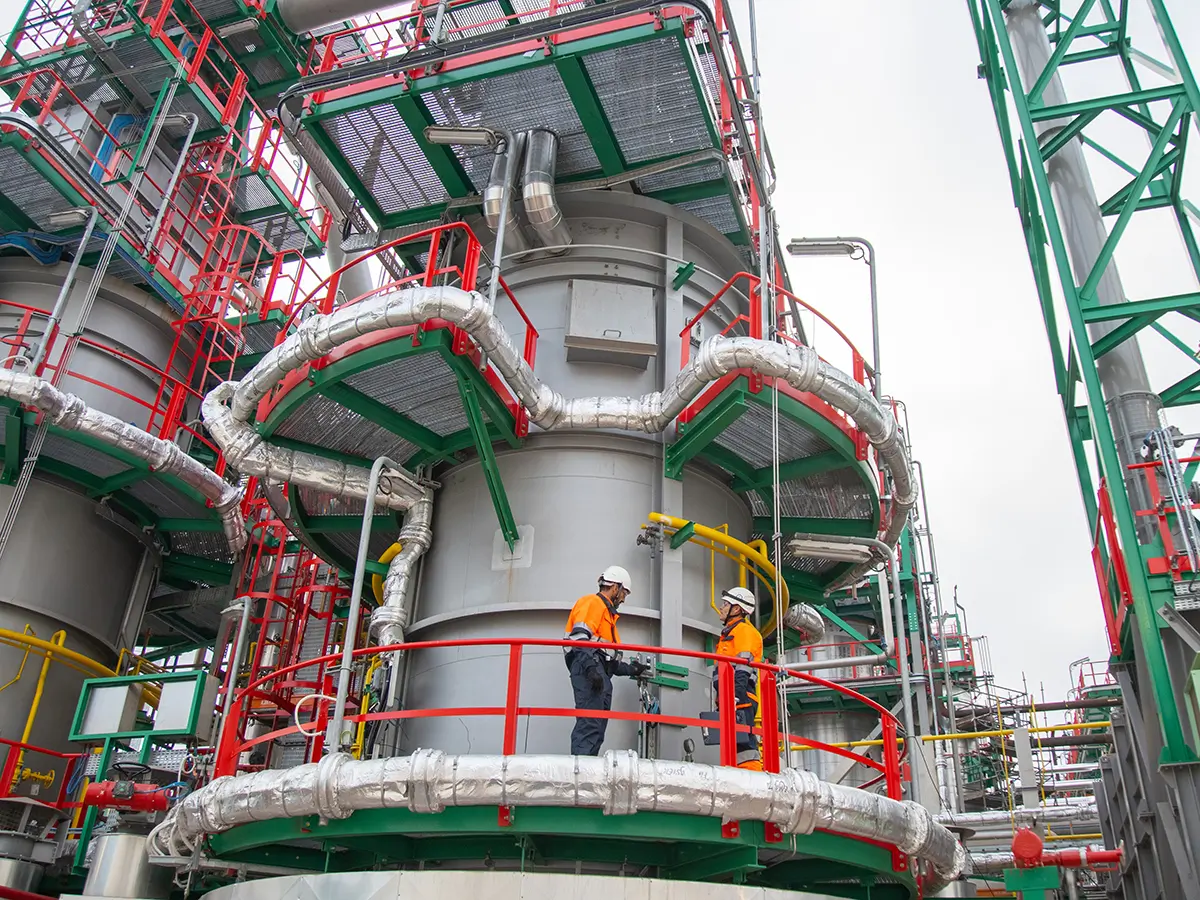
716	211
166	501
474	20
421	387
528	98
325	423
649	98
28	191
260	336
208	544
839	494
679	177
346	542
750	438
385	156
82	457
811	564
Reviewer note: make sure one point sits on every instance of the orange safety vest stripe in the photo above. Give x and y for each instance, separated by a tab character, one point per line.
593	612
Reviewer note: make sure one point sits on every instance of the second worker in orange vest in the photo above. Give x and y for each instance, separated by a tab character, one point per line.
594	618
741	640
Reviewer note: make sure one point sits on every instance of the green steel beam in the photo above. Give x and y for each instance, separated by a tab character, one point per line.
120	480
1174	303
1032	191
383	415
813	525
1175	342
796	468
841	623
487	459
700	432
683	535
1122	333
442	158
591	114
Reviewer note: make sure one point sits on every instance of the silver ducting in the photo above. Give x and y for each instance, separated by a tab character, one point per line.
68	411
246	451
390	619
619	783
1045	815
801	367
537	191
499	194
805	621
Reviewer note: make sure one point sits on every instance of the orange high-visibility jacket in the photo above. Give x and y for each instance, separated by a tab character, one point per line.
741	639
592	620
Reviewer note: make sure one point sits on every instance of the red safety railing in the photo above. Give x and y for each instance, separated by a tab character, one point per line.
233	741
164	414
439	269
1112	576
1174	562
18	755
48	26
749	324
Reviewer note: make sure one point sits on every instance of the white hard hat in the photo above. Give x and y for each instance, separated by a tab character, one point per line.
617	575
739	596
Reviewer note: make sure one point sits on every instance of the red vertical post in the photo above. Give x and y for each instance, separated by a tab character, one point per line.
8	773
727	706
431	262
768	703
891	759
511	699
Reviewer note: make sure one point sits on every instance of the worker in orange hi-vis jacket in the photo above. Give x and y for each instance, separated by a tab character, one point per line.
594	618
741	641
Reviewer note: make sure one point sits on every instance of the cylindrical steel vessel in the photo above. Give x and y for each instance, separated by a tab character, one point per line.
609	324
121	868
70	563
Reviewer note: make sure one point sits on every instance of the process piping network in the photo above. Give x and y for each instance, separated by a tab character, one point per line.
69	412
619	783
229	408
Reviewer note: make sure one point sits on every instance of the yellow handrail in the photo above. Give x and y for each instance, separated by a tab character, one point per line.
69	658
968	735
24	659
752	554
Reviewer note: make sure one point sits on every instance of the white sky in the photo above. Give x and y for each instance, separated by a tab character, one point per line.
880	128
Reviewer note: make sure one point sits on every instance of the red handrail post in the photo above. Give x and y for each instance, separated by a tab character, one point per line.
8	773
512	699
727	706
768	704
891	758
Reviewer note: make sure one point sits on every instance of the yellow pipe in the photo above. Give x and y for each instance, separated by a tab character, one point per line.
1074	837
57	639
967	735
24	659
69	658
745	566
377	580
755	556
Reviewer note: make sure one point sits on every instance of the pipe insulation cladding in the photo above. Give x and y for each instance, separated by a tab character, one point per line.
619	783
68	411
229	408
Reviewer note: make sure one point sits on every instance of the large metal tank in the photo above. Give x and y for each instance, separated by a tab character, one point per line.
580	498
72	563
832	726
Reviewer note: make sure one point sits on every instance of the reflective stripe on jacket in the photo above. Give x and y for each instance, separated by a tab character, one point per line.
592	619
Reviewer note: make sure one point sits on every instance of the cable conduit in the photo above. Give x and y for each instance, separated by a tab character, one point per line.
229	408
619	783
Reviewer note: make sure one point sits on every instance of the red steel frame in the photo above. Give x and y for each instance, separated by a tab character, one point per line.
14	754
1112	576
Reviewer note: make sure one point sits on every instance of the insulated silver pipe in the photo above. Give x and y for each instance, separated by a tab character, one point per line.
152	231
651	413
541	206
333	737
619	783
498	209
235	662
60	302
511	148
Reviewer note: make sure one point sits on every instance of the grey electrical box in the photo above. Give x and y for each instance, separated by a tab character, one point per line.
611	322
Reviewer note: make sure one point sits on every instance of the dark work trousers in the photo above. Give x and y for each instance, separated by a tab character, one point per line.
588	734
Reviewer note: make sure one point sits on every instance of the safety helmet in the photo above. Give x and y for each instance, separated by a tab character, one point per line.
617	575
739	596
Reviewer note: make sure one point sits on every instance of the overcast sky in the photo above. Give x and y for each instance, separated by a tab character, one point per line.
880	128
